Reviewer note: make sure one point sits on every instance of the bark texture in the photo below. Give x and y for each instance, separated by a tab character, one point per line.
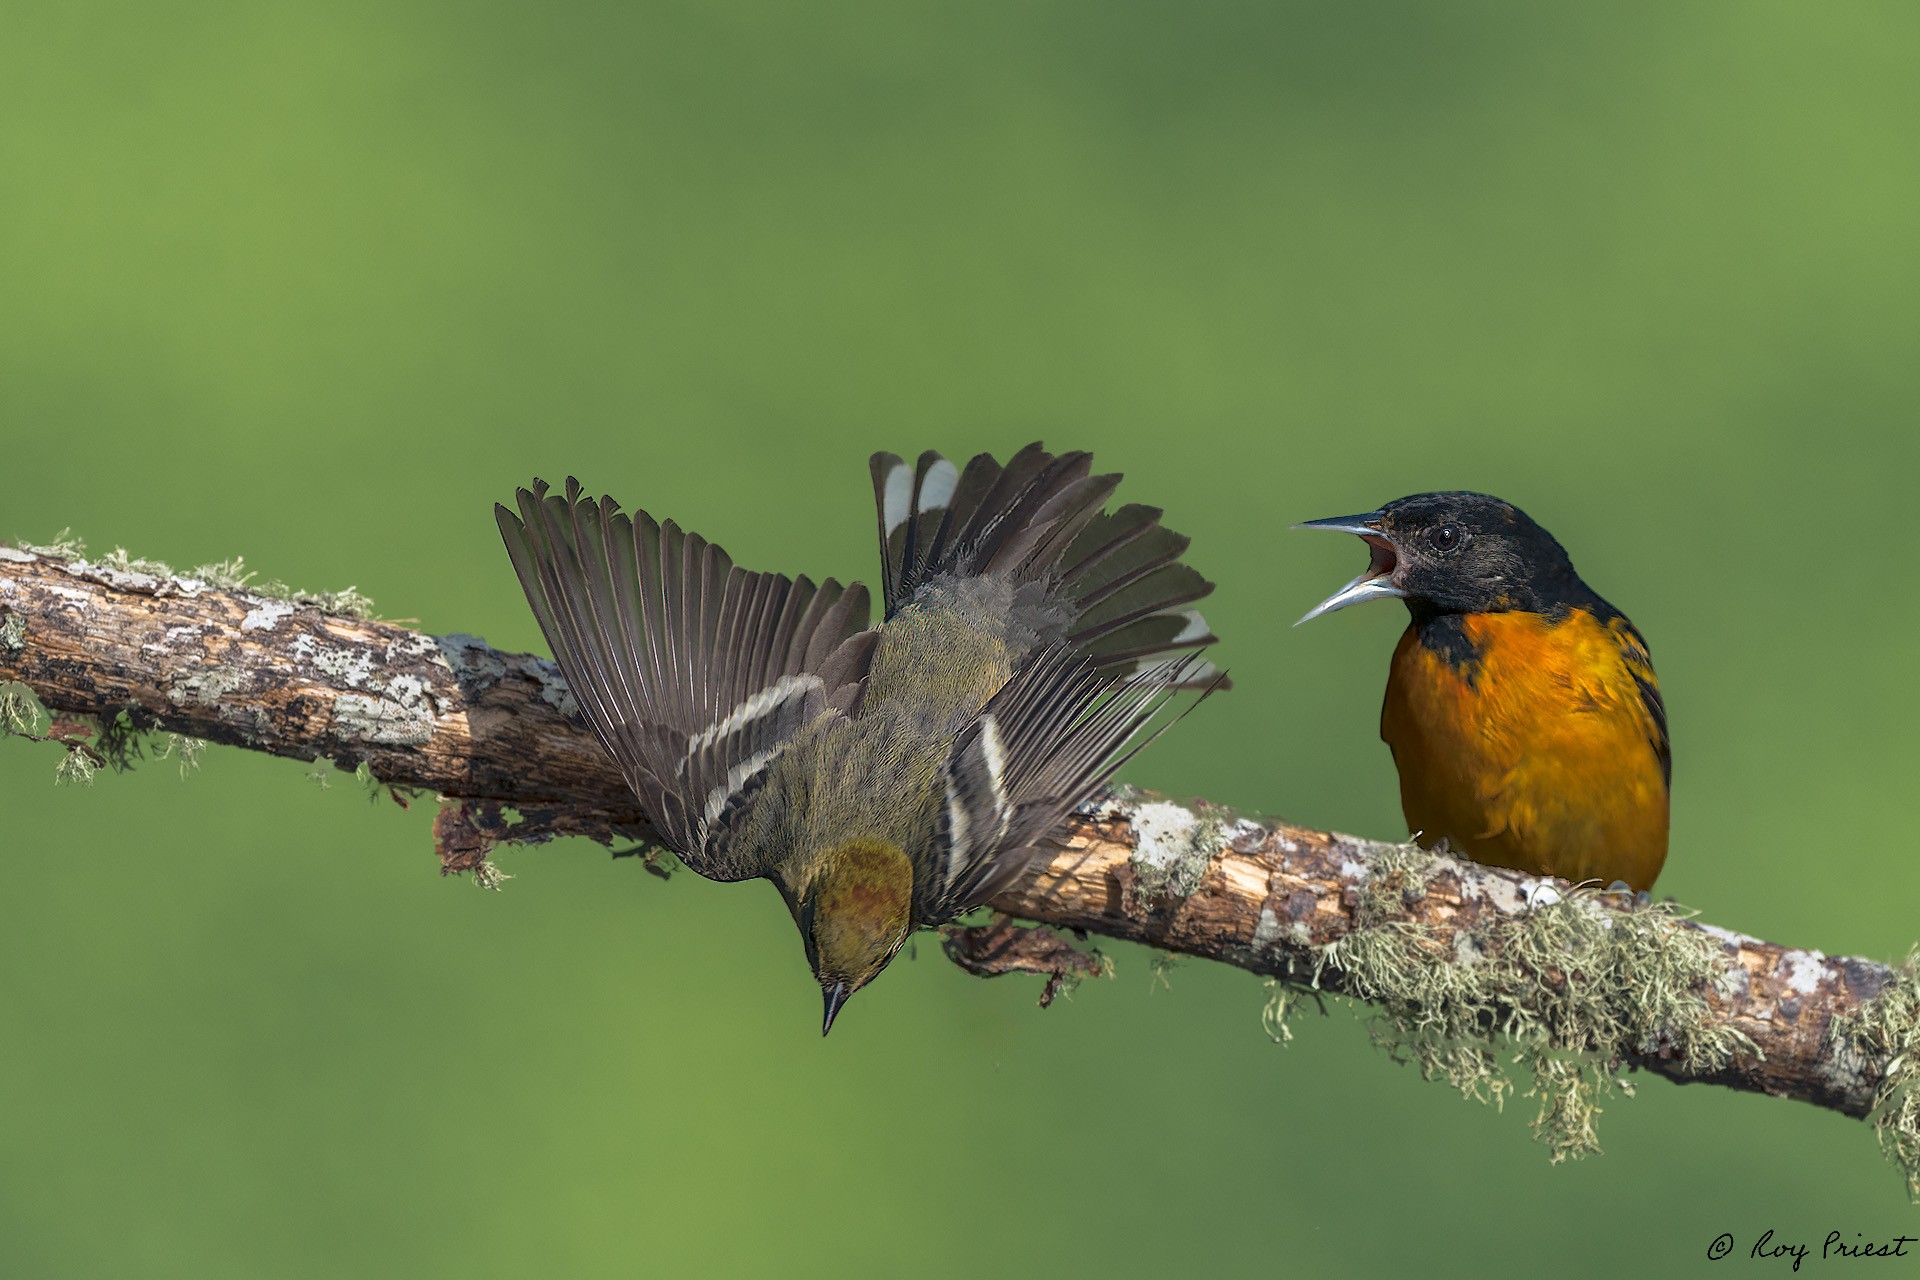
491	733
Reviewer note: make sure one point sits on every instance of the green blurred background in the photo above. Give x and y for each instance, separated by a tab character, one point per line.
317	284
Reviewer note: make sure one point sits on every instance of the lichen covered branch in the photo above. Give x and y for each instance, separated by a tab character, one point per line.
1471	971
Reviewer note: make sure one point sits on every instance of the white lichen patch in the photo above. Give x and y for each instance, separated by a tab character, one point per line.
413	644
14	555
1241	829
381	721
410	691
1163	831
207	686
1173	846
553	688
471	660
347	665
1269	930
1804	969
1727	937
120	572
1500	891
385	709
266	615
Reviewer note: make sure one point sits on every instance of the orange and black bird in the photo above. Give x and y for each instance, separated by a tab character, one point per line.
1521	709
885	778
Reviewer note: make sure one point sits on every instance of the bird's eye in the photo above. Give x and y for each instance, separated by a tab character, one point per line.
1444	538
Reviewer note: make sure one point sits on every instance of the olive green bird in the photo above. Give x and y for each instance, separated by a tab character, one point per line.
883	778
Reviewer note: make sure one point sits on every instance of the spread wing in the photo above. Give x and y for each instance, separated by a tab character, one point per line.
1046	744
693	674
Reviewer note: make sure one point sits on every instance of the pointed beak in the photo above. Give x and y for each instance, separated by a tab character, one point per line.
836	996
1377	582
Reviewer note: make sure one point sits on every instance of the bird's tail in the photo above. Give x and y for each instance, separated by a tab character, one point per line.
1042	518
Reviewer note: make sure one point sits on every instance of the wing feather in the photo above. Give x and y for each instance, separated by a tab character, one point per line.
1042	747
692	673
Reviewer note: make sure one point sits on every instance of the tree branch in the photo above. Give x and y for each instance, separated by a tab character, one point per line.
1461	959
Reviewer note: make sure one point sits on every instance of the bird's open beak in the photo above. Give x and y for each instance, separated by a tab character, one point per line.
1377	582
836	996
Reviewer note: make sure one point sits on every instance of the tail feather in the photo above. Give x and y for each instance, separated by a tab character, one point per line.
1017	519
1030	478
1158	633
1163	587
1108	547
1126	575
1041	518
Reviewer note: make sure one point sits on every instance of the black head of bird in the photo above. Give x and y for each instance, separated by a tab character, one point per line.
1456	552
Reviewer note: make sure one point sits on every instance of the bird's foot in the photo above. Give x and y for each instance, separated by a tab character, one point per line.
989	950
1638	897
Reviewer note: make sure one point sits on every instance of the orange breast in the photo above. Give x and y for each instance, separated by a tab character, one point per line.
1537	752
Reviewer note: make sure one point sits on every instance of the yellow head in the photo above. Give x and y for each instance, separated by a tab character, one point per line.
854	911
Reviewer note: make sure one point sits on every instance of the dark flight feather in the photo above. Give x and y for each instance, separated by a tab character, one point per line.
1046	744
692	673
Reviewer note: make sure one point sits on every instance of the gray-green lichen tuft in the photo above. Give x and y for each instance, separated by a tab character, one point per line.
222	575
1559	991
323	771
1277	1017
488	875
76	768
233	575
13	632
92	742
21	713
1887	1028
187	751
64	544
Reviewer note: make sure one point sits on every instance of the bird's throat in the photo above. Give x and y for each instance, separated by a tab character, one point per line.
862	906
